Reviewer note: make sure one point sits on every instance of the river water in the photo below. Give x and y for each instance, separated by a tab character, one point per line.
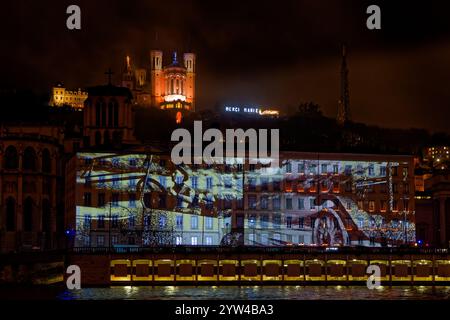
230	293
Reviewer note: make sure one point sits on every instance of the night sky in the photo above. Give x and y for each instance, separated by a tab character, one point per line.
272	53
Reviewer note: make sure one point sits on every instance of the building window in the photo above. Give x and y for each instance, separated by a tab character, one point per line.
382	205
382	170
405	205
132	162
179	240
276	221
209	183
371	205
251	184
228	183
395	188
100	241
115	221
208	241
394	205
101	200
10	214
162	222
179	222
132	200
194	182
46	161
87	221
252	221
101	221
264	238
252	202
87	199
194	241
115	181
394	171
194	222
288	203
264	202
131	221
209	202
288	167
114	240
208	223
324	168
301	168
301	204
276	203
348	170
301	222
11	158
276	185
289	222
371	170
264	221
312	206
29	159
179	201
335	169
87	181
115	199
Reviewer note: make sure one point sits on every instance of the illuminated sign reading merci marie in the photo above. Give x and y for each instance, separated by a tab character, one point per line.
243	109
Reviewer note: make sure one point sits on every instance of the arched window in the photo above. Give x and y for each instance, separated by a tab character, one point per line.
29	159
28	215
98	138
46	161
11	158
98	112
10	214
46	216
106	138
110	114
116	114
103	106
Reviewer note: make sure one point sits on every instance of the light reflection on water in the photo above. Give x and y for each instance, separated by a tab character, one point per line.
257	293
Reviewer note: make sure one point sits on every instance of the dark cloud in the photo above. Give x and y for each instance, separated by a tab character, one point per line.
275	53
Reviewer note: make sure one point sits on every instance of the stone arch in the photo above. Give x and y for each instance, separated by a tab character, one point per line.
46	216
106	138
46	161
29	159
10	214
28	214
98	138
11	160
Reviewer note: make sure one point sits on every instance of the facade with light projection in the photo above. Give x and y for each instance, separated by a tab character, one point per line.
313	199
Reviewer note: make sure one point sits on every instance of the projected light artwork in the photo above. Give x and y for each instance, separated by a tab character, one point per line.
141	200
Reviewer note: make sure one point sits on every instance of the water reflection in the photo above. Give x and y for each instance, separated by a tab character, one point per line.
258	293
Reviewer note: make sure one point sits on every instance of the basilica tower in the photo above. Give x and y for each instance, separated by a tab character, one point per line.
156	77
189	64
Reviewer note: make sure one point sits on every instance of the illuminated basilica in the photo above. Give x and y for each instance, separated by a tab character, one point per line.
170	87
